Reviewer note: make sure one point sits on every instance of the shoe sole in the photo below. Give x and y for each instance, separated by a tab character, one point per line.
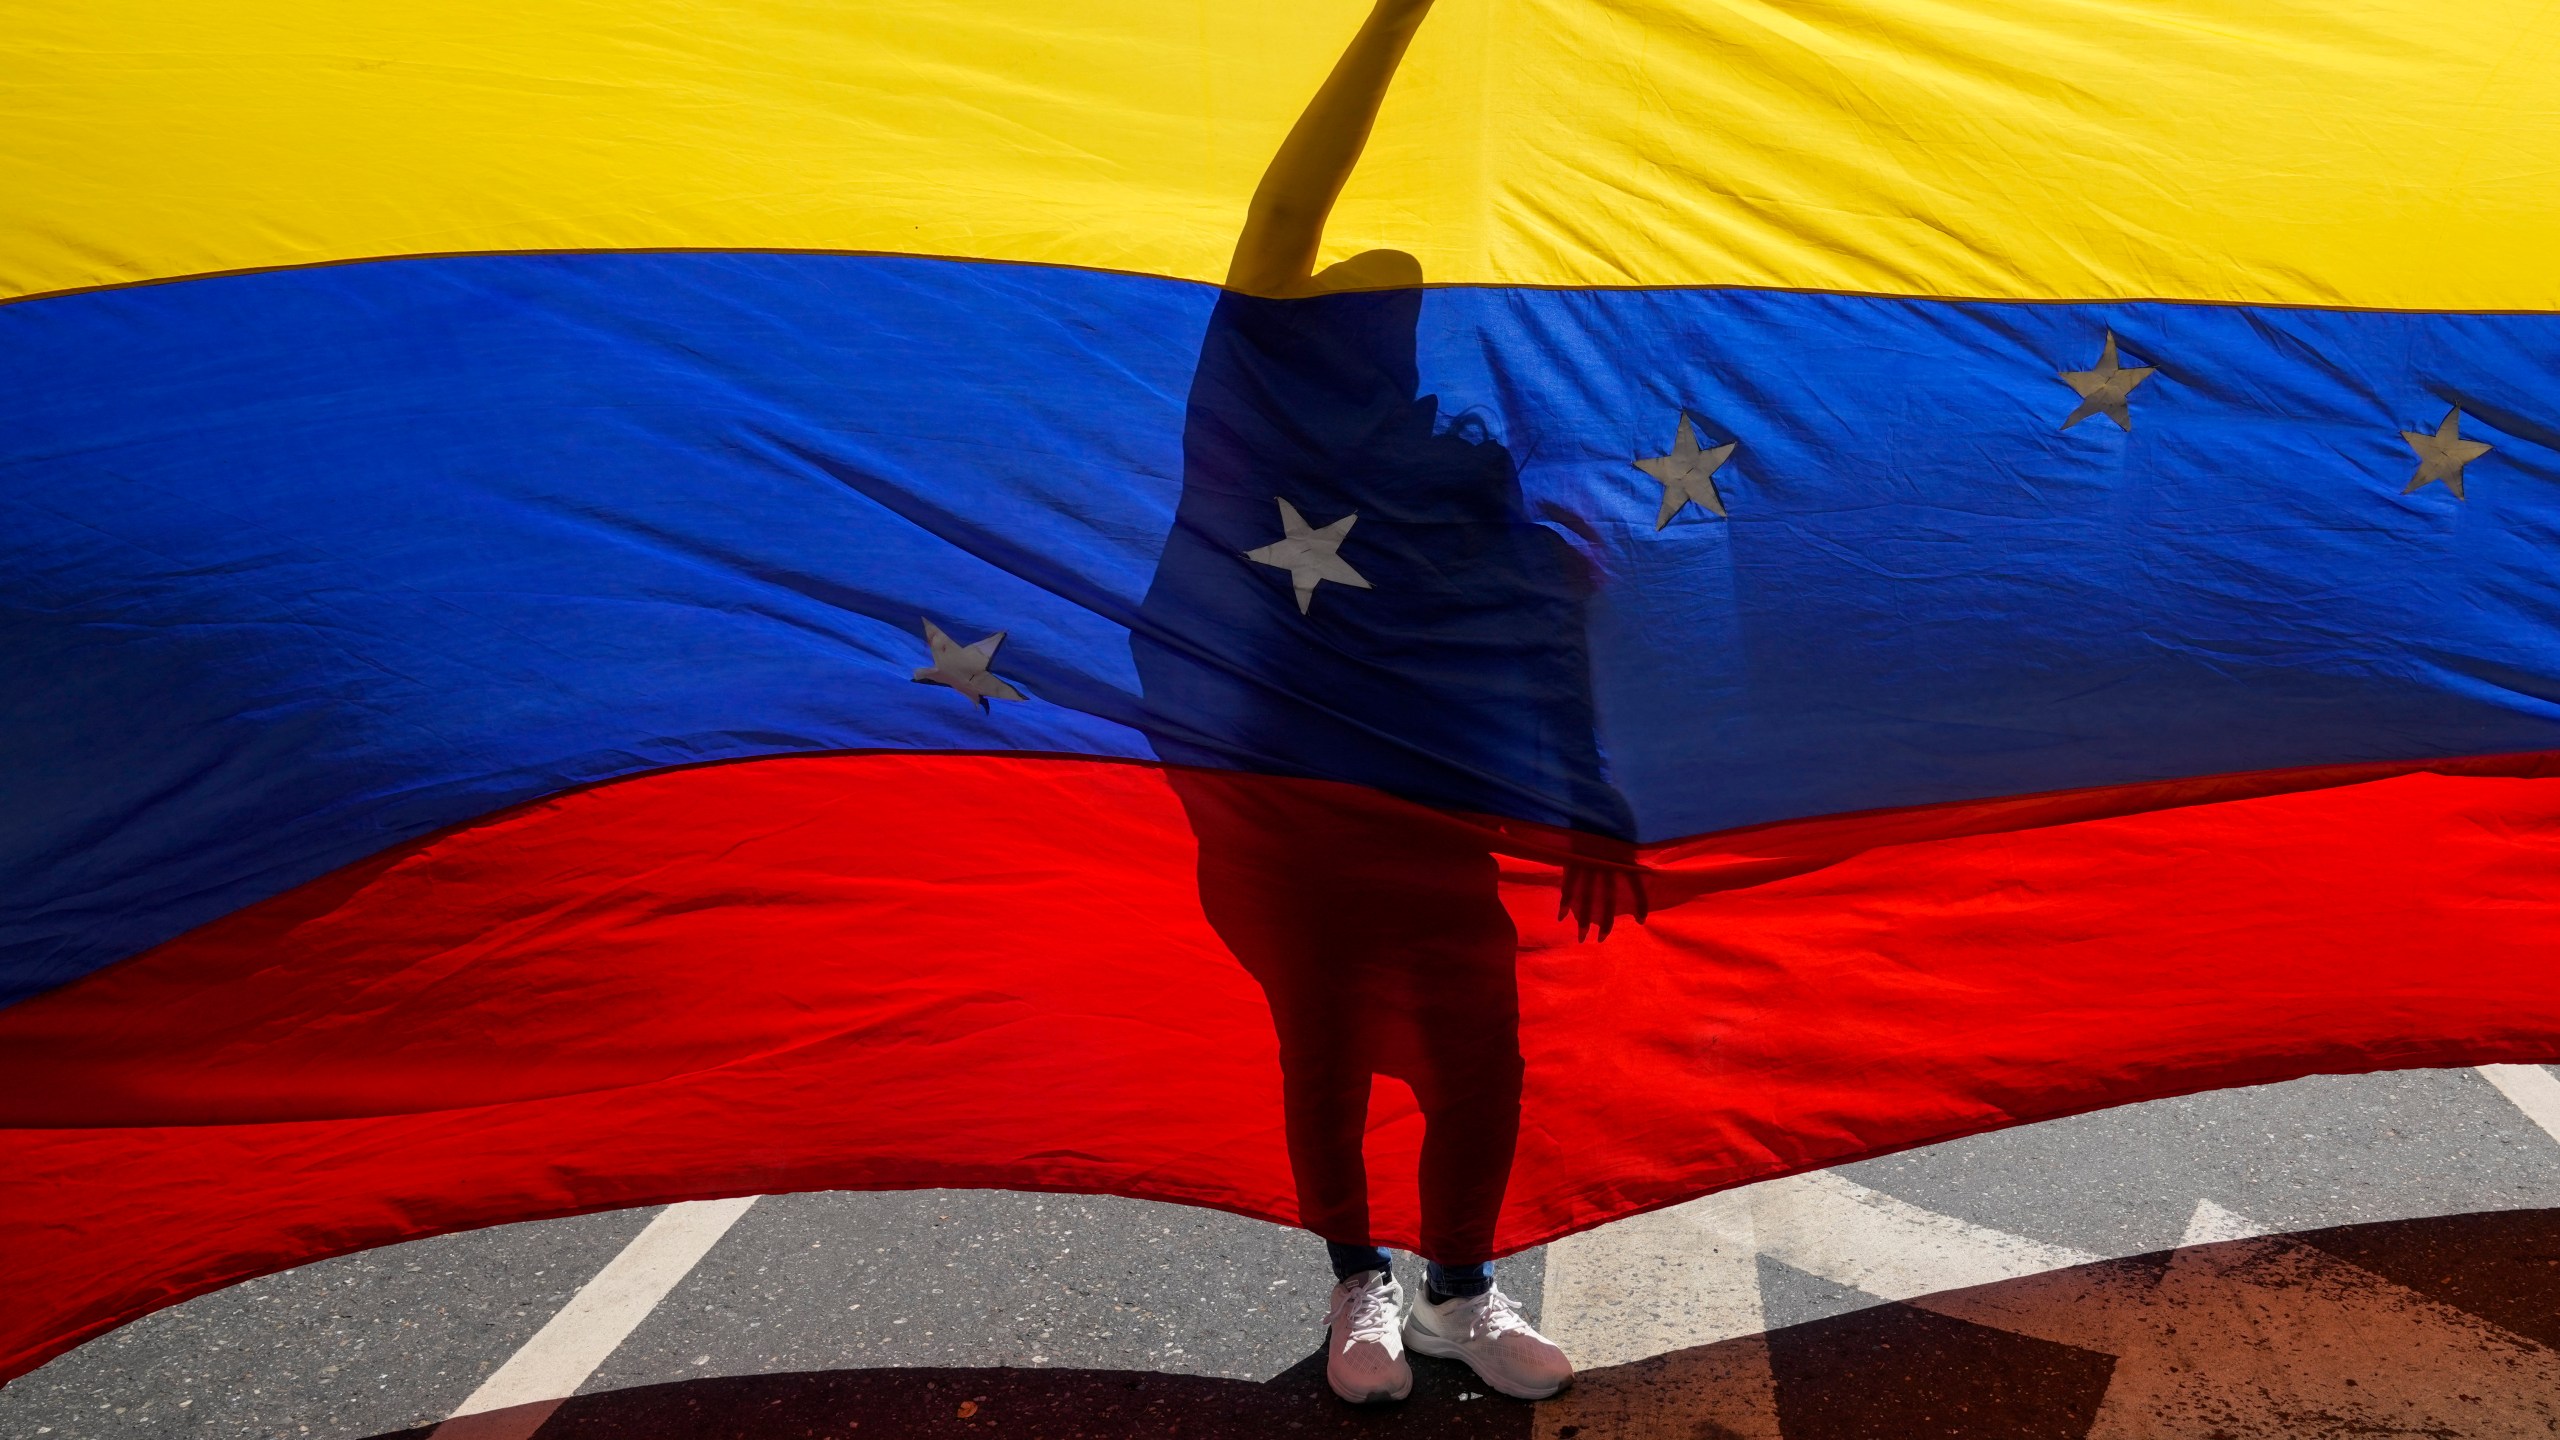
1423	1342
1382	1398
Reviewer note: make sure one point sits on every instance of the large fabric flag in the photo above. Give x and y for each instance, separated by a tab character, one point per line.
606	601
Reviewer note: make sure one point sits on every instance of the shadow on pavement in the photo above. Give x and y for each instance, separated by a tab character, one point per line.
2445	1327
1045	1404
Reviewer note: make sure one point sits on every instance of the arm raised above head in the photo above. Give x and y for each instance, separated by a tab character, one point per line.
1276	254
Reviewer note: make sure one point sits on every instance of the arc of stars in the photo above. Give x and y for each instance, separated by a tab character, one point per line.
965	667
1687	474
2442	455
1310	555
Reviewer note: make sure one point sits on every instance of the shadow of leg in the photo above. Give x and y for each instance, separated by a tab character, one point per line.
1377	931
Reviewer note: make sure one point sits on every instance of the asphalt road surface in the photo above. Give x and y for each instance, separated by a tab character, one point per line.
2367	1256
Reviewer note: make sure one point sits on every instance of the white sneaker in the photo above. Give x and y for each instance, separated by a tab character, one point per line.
1363	1354
1488	1332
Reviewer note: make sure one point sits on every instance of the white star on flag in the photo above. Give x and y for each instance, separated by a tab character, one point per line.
2104	389
1311	556
964	667
1687	474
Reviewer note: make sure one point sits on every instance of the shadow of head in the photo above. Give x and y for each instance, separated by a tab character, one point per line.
1368	270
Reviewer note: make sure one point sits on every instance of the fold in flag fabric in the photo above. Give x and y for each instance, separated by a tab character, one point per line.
617	602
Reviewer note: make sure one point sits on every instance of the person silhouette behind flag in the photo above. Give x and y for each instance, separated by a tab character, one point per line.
1354	596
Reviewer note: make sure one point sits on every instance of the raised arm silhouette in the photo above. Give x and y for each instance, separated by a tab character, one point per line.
1361	657
1284	226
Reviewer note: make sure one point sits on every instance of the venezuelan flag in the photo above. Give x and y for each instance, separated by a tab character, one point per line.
1438	630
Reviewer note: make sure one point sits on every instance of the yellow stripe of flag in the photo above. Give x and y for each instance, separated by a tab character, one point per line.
2394	153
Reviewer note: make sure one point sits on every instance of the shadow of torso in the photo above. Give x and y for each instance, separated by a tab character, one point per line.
1461	679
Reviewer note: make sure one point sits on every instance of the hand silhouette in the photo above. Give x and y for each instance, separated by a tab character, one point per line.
1600	888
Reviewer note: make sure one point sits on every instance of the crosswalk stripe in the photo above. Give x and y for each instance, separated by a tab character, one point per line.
1655	1283
514	1402
2212	1224
2533	1091
1689	1276
1832	1227
1684	1282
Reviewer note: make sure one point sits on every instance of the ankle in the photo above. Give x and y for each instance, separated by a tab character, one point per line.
1444	1283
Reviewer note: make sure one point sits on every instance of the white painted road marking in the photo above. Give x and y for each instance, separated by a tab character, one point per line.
1832	1227
1823	1224
1689	1275
1655	1283
2212	1224
514	1402
1679	1281
2243	1333
2533	1091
